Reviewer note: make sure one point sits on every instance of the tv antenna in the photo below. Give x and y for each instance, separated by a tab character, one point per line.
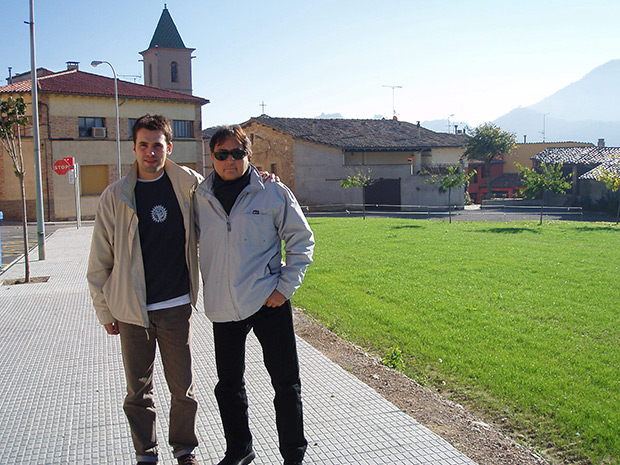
394	87
449	127
135	77
544	131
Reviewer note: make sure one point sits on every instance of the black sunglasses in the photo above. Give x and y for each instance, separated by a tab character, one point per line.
237	154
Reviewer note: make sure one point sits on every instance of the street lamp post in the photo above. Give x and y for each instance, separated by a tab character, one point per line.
118	134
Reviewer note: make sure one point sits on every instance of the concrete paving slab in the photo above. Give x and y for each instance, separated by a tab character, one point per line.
62	386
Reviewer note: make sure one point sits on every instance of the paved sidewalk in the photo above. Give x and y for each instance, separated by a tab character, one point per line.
62	386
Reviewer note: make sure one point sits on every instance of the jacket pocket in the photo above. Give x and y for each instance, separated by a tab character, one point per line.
256	230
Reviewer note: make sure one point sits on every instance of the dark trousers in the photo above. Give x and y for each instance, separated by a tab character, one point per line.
274	329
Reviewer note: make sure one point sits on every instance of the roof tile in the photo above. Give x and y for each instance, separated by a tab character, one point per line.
362	134
82	83
577	155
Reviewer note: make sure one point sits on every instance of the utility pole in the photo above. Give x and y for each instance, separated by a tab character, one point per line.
37	140
393	108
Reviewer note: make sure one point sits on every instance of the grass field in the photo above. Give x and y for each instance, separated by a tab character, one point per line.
519	321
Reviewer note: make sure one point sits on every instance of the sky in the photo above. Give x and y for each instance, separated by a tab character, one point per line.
468	62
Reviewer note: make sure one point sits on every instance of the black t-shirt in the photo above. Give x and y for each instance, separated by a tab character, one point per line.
162	240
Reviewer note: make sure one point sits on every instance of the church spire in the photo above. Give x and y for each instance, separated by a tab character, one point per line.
167	61
166	33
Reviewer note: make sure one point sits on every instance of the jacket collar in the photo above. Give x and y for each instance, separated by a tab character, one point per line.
256	182
178	176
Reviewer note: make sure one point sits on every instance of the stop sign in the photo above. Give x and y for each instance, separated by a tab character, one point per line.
62	167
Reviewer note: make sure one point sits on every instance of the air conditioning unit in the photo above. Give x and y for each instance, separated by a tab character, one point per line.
97	132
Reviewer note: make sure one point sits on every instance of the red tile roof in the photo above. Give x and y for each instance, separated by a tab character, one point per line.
76	82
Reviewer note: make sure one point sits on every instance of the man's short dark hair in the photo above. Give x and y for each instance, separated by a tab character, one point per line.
153	123
224	132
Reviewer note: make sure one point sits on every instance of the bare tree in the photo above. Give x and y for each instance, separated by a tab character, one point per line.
12	120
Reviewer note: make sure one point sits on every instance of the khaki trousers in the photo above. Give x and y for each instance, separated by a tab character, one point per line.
170	329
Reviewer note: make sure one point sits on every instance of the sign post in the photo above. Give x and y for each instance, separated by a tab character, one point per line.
64	166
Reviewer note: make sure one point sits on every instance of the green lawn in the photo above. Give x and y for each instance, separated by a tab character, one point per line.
519	321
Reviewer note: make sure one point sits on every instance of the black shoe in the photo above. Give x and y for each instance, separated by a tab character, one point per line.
288	462
187	459
228	460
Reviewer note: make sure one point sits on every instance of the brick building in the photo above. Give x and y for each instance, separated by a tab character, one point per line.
77	114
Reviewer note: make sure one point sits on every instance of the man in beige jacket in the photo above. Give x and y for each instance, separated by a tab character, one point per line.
143	278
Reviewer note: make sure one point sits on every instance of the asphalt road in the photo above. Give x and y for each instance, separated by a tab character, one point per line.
475	213
12	237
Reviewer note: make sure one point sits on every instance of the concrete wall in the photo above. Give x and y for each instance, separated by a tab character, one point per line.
320	169
420	159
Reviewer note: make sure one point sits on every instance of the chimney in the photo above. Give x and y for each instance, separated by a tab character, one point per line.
395	118
73	65
10	79
418	124
601	143
524	138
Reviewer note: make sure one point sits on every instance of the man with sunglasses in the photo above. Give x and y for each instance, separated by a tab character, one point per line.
242	224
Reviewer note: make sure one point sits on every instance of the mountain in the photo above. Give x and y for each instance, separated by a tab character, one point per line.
584	111
594	97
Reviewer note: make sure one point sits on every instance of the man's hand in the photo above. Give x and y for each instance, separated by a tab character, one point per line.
271	176
111	328
276	299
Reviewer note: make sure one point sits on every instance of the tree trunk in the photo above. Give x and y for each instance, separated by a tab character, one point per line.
487	168
449	205
618	213
364	202
542	206
25	226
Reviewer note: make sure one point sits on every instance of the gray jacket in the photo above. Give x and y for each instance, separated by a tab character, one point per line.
241	254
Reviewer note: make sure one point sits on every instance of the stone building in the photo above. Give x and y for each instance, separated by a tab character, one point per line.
312	156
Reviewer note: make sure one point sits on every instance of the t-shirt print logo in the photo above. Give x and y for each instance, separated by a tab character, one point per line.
159	213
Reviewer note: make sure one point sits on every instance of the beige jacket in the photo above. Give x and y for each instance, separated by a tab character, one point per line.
115	270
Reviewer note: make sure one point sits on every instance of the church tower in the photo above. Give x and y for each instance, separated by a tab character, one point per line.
167	62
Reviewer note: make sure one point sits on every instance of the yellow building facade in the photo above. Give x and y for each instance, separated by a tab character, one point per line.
523	153
77	114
